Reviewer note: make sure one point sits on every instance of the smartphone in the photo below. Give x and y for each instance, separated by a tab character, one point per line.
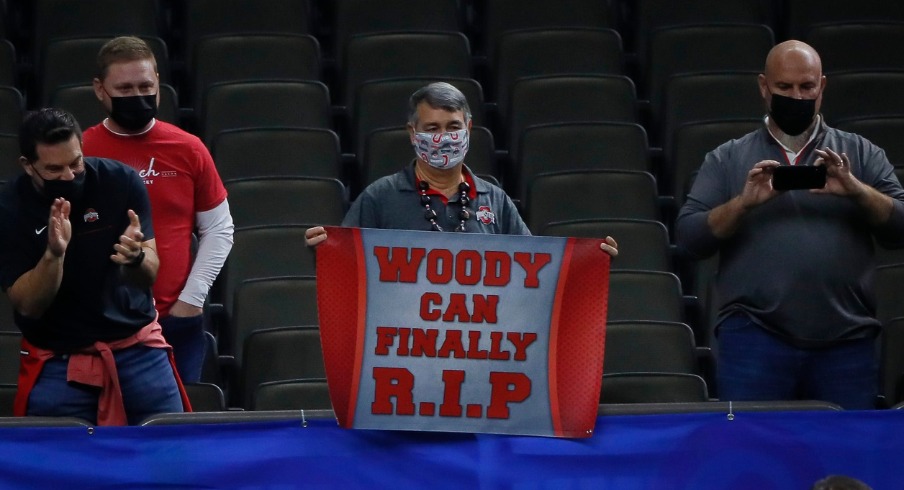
788	177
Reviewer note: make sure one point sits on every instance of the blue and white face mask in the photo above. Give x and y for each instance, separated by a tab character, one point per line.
442	150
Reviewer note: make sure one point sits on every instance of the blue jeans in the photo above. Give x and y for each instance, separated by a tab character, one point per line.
186	335
754	364
145	377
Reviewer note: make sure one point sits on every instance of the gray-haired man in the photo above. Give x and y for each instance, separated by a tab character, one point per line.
438	191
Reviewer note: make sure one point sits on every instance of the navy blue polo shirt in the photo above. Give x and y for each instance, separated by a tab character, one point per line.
94	302
394	202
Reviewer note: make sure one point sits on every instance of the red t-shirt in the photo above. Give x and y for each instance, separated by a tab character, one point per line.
181	179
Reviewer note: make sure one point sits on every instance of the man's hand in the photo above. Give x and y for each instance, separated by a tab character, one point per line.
313	236
129	247
758	188
839	180
182	309
610	246
34	291
724	220
59	228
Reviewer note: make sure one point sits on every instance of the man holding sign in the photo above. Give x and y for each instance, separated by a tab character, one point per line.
448	332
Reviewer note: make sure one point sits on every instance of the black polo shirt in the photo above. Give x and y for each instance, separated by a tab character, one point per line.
94	302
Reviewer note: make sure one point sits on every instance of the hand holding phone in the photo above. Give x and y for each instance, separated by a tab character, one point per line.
788	177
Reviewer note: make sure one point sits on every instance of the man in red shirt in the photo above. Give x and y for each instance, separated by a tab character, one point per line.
185	190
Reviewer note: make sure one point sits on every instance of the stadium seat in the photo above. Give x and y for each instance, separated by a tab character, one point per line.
858	46
10	345
707	97
649	346
578	146
53	19
497	17
264	201
389	55
205	397
643	244
653	388
531	52
292	394
857	94
884	131
650	15
703	48
269	302
9	154
280	354
247	57
645	295
892	361
285	255
355	17
889	300
568	98
9	74
254	104
12	107
201	18
590	194
277	152
802	15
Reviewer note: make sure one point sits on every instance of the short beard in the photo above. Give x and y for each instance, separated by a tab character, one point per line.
795	142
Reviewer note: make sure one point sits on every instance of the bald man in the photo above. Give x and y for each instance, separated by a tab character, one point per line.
796	312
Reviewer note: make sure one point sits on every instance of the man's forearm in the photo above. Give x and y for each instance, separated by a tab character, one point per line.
144	273
877	205
725	219
215	229
35	290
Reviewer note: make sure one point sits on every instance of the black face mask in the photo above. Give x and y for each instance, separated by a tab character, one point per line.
133	112
70	190
793	116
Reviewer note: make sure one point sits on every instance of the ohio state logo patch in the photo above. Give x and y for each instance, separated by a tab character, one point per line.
91	215
485	215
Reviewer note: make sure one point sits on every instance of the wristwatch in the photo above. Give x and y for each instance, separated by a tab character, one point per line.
137	260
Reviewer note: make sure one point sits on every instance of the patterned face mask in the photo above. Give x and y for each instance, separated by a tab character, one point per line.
442	150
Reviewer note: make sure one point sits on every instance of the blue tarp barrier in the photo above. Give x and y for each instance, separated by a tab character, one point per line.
755	450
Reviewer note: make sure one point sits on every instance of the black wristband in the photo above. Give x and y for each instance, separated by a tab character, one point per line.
138	260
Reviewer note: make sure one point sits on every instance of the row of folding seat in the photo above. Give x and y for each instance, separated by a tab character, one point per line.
536	100
734	47
264	341
281	304
187	21
547	136
284	366
269	341
622	106
260	298
745	23
543	145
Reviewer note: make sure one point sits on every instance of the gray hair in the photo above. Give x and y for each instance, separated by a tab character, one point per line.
439	95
